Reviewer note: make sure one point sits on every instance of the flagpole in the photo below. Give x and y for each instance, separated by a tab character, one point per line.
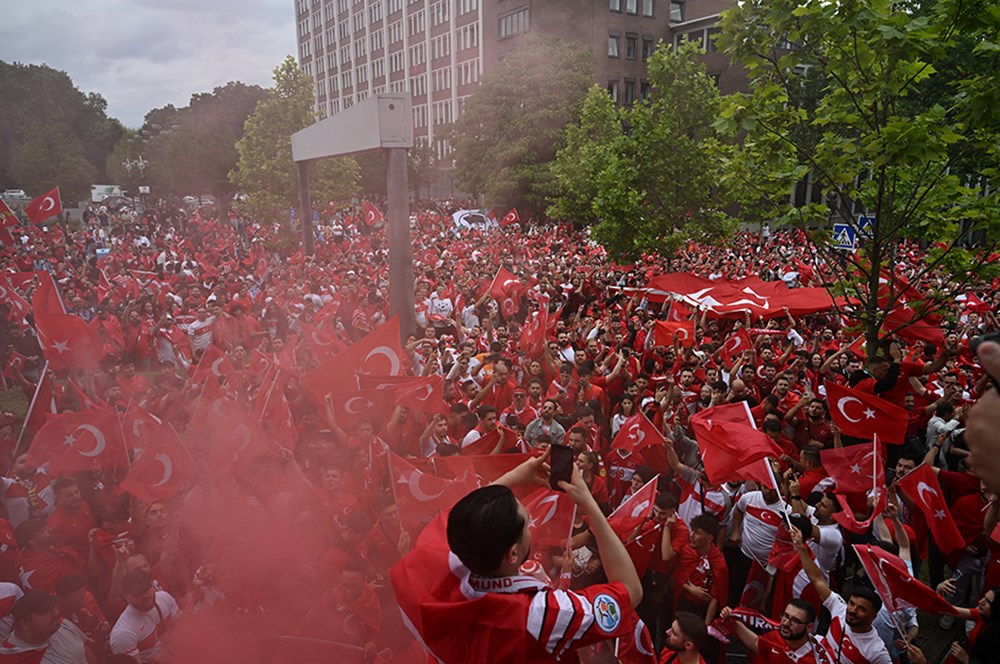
774	485
875	454
27	415
890	601
121	430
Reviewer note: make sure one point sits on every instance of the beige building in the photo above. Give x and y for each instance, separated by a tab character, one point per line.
438	50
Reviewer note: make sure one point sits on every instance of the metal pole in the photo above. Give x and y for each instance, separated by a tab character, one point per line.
400	251
306	217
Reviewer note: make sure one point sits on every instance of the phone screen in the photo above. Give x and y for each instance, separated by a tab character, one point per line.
560	465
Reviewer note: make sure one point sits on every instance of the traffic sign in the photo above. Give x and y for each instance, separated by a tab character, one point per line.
844	237
866	226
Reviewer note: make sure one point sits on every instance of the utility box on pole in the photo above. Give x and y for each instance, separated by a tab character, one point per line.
381	122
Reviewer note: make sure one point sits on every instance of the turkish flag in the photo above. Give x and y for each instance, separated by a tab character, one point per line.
505	286
7	216
322	344
731	447
214	363
424	395
551	522
639	648
422	496
666	332
921	485
47	205
533	332
855	469
274	414
734	346
865	415
141	429
898	588
636	434
379	354
484	444
352	408
68	342
510	218
372	214
903	322
845	517
15	361
634	510
678	312
163	469
46	297
79	441
18	305
221	433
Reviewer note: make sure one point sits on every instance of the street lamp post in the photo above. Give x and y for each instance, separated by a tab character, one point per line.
138	164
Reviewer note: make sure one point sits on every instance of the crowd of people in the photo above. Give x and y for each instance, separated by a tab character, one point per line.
272	524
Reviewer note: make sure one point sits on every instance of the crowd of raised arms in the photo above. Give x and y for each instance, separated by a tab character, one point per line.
228	447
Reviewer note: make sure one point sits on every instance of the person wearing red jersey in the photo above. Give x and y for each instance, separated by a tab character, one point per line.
42	564
461	591
71	522
851	639
702	576
685	639
519	410
41	636
789	644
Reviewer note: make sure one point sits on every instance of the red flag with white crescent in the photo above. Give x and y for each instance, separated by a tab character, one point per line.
551	521
372	214
79	441
666	332
47	205
864	415
634	510
422	496
921	485
163	469
735	346
510	218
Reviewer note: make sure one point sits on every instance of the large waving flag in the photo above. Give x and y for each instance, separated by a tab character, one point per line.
864	415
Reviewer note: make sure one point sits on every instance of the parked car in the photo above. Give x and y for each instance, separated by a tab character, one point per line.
16	195
120	202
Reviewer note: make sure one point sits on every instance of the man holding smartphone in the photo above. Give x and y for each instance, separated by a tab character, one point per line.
462	593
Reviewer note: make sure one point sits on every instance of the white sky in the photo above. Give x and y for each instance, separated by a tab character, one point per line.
144	54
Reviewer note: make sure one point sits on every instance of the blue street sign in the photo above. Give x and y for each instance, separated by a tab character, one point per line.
844	237
866	226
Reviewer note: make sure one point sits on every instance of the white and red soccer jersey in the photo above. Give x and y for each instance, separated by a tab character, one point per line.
760	525
851	647
9	593
137	633
772	649
694	501
621	467
525	415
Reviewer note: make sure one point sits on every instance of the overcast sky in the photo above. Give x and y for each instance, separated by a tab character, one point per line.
143	54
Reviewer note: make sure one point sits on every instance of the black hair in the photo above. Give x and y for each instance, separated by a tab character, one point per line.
863	592
803	524
69	584
707	523
645	473
666	501
812	455
483	526
485	410
805	606
693	628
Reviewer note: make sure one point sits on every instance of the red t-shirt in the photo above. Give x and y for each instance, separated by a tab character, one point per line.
771	647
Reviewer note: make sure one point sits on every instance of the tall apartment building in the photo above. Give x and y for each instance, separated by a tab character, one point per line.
438	50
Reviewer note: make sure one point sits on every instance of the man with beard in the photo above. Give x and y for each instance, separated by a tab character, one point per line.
789	643
851	639
40	636
685	639
142	625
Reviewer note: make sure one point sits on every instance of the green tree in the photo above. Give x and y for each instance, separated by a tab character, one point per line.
588	149
54	134
888	135
422	167
507	135
655	186
264	170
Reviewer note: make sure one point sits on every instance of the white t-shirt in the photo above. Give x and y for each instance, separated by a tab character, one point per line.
852	647
760	525
67	646
9	593
137	632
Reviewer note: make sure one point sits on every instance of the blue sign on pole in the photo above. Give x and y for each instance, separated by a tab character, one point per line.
866	226
844	237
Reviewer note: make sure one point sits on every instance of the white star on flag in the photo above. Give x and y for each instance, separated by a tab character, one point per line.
856	469
939	514
69	440
869	414
61	346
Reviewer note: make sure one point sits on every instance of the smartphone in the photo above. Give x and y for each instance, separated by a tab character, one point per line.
560	465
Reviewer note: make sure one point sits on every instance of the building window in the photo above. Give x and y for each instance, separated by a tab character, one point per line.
629	92
395	6
613	90
710	36
615	5
643	89
647	47
676	11
716	78
631	46
647	7
613	45
513	24
632	6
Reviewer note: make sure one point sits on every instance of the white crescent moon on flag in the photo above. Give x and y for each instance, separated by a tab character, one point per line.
244	432
921	487
394	367
636	433
842	402
417	491
683	333
100	443
215	366
349	409
48	203
168	468
640	508
217	407
637	637
318	341
552	510
427	393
